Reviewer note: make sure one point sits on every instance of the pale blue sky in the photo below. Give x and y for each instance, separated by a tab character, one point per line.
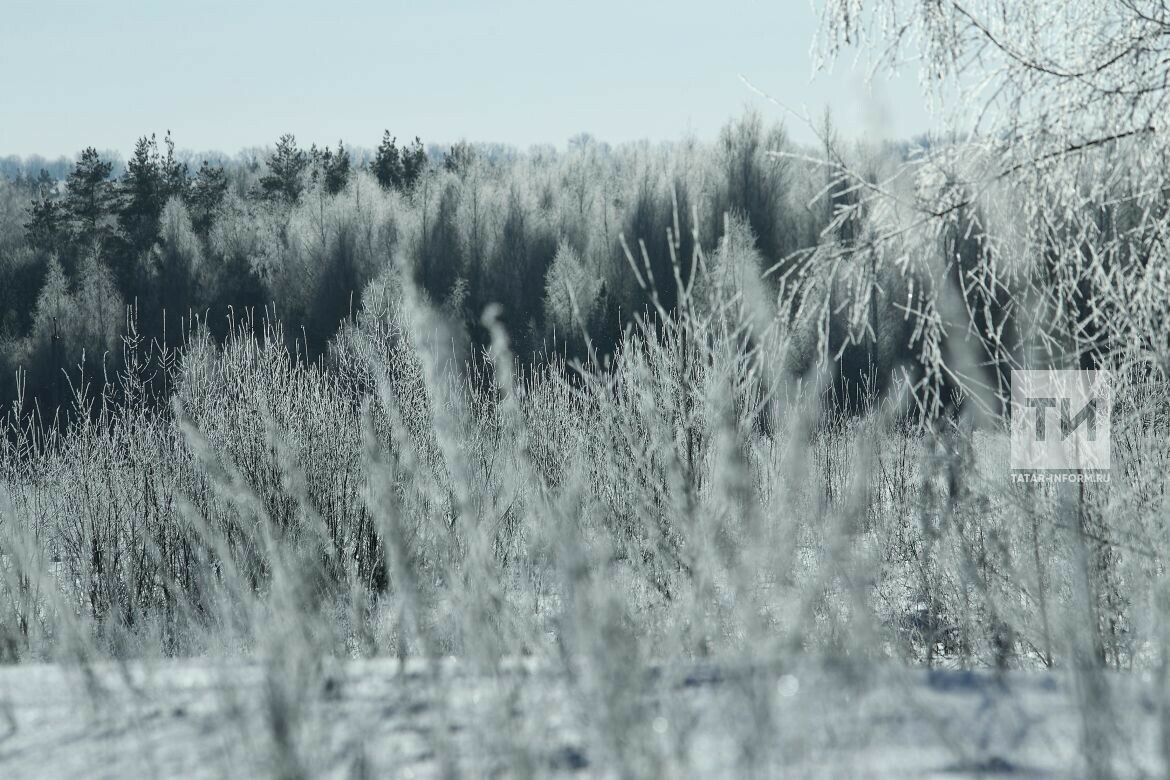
224	75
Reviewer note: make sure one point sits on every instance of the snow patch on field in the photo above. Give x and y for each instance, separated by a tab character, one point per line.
380	719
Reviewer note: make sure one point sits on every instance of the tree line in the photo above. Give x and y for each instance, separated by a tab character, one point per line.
572	244
88	249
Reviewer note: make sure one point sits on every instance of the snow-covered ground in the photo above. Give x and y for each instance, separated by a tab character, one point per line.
375	719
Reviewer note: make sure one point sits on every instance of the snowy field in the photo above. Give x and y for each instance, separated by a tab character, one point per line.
374	719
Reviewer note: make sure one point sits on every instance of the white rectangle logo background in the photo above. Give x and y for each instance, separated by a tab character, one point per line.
1060	420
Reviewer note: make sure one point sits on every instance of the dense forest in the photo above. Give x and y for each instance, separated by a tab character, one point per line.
92	264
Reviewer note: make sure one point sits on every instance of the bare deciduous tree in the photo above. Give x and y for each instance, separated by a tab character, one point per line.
1032	229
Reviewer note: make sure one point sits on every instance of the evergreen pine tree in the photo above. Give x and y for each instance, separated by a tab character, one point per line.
317	159
176	175
141	195
286	167
87	193
387	165
414	162
336	167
